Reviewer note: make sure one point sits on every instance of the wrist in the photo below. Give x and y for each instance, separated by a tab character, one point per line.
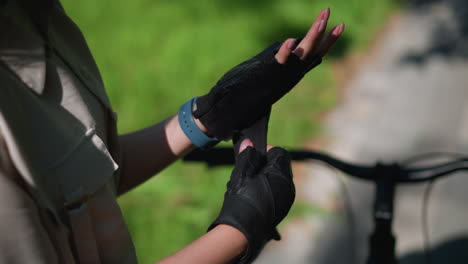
238	242
237	237
198	122
246	219
193	128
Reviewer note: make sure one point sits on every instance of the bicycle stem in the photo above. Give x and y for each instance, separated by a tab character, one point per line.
382	241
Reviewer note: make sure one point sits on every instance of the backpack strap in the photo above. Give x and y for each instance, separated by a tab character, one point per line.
84	241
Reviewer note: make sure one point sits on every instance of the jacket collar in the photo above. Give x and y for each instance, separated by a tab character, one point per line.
68	42
22	47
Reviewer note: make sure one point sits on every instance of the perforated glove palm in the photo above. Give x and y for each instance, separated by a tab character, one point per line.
246	92
259	195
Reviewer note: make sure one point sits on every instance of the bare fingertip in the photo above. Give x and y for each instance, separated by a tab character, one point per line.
244	144
337	30
326	14
342	27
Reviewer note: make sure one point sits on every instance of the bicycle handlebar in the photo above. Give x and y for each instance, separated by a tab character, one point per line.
403	174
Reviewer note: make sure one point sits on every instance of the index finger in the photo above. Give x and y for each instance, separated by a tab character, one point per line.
312	39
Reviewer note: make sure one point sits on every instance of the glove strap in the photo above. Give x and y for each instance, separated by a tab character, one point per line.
191	130
257	133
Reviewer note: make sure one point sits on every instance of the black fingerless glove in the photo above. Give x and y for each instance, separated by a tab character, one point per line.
246	92
259	195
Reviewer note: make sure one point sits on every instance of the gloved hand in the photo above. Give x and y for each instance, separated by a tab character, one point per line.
246	92
259	195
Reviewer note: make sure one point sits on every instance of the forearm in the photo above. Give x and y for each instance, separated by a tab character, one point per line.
148	151
222	244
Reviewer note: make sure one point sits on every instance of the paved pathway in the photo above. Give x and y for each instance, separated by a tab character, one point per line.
410	98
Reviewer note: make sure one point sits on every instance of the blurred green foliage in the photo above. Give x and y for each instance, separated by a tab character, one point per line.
156	54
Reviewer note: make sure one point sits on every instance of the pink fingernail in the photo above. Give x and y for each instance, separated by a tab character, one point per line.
326	13
342	26
321	26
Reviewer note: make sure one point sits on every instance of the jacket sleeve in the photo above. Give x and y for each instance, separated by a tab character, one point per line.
23	238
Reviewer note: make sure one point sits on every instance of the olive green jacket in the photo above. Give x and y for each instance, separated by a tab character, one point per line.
59	152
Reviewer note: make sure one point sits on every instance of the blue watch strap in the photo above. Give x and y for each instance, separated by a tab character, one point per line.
191	130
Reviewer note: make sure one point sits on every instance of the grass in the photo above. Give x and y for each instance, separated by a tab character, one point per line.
155	55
